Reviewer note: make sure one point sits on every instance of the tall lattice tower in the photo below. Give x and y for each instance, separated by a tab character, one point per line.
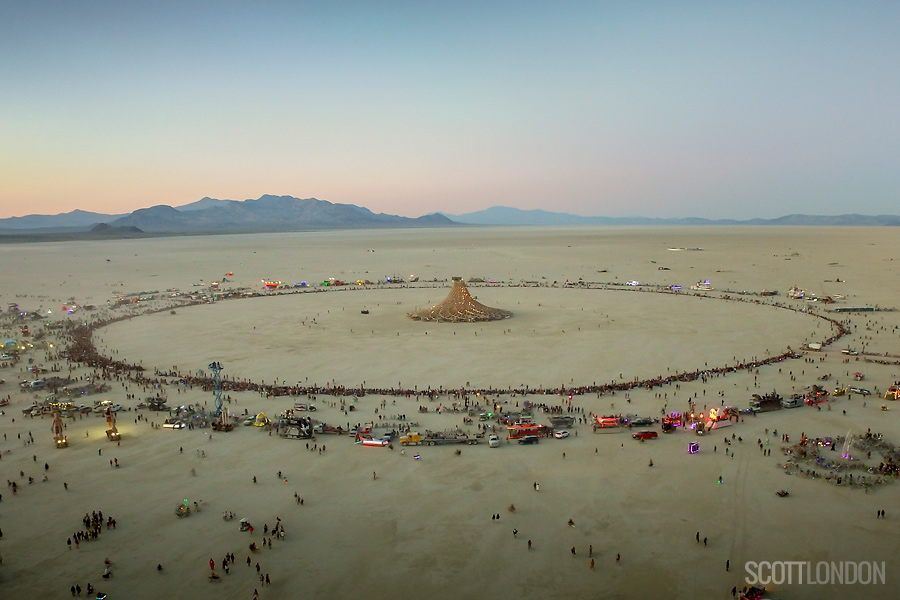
216	368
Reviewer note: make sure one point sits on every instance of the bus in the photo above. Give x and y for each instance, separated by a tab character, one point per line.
519	431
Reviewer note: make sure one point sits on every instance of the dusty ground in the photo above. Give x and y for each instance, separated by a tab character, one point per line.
424	527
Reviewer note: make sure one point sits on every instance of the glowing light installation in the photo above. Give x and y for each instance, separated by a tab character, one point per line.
216	368
846	451
459	307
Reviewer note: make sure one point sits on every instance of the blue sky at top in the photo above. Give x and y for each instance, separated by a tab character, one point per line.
718	109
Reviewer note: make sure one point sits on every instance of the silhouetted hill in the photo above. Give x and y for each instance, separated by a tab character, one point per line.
109	230
205	202
268	213
504	215
76	218
286	213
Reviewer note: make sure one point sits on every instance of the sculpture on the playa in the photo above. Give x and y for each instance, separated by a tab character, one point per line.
58	428
459	307
112	432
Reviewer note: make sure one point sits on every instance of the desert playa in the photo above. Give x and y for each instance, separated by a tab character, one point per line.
604	323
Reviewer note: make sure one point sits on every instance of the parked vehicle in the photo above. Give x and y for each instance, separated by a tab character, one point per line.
529	439
765	403
792	402
414	439
494	441
645	435
325	428
562	420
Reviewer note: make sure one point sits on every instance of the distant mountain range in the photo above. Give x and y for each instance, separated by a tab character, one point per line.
209	216
504	215
286	213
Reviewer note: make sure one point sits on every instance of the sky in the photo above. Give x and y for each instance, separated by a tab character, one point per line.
658	109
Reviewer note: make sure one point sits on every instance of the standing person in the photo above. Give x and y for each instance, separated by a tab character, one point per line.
573	550
727	565
212	565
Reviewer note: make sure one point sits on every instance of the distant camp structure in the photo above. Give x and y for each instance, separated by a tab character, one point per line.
459	307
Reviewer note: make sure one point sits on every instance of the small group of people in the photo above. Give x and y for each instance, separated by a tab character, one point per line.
93	524
76	590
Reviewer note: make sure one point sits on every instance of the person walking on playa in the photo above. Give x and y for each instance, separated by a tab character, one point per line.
212	565
573	550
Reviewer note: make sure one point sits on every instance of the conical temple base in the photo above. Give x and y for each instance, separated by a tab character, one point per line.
460	307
